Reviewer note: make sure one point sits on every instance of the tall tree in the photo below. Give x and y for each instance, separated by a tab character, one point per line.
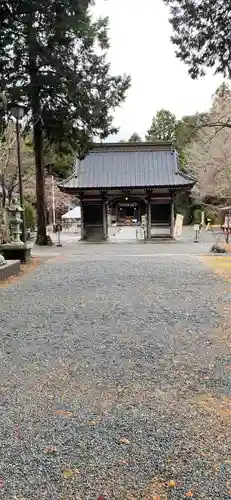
59	160
53	59
201	34
135	138
163	127
186	132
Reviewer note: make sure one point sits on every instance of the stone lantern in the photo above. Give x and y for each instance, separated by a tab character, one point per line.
15	221
2	260
15	249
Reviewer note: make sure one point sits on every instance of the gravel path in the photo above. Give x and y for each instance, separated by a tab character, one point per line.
115	381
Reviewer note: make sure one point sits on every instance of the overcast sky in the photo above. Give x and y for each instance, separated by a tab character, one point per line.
140	46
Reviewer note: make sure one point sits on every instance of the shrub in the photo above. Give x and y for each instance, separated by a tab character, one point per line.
30	215
213	214
197	216
183	206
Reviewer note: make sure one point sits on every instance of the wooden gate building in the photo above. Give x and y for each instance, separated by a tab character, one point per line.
132	179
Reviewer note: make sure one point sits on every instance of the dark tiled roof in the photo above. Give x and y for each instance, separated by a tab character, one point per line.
111	169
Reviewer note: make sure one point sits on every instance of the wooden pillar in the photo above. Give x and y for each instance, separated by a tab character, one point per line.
138	213
172	222
82	221
148	213
105	221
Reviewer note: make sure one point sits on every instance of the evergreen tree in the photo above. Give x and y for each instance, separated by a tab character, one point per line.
201	34
49	63
135	138
163	127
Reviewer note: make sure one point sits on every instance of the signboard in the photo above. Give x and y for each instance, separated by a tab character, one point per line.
144	220
178	225
227	221
196	227
140	234
202	218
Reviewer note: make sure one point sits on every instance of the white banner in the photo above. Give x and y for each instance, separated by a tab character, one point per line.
178	225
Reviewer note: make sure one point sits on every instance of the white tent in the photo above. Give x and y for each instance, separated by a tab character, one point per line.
73	214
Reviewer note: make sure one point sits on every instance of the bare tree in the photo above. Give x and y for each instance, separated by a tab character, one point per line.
219	116
209	157
9	179
62	200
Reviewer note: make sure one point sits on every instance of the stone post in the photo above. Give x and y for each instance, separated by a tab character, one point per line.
4	230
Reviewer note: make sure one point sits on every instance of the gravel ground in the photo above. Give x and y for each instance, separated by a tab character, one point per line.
115	381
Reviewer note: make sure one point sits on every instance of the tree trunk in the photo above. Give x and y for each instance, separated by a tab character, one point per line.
42	238
40	186
3	197
9	196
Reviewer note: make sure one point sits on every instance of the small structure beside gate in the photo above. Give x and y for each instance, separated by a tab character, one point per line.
129	180
71	221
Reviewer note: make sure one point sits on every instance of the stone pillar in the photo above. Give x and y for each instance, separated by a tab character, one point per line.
172	221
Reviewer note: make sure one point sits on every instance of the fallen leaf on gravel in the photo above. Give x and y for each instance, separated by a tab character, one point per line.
157	490
18	432
24	268
189	493
2	484
123	462
124	441
70	473
64	413
101	497
51	449
228	487
171	483
92	422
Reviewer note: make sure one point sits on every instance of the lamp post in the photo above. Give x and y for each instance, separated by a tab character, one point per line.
17	111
